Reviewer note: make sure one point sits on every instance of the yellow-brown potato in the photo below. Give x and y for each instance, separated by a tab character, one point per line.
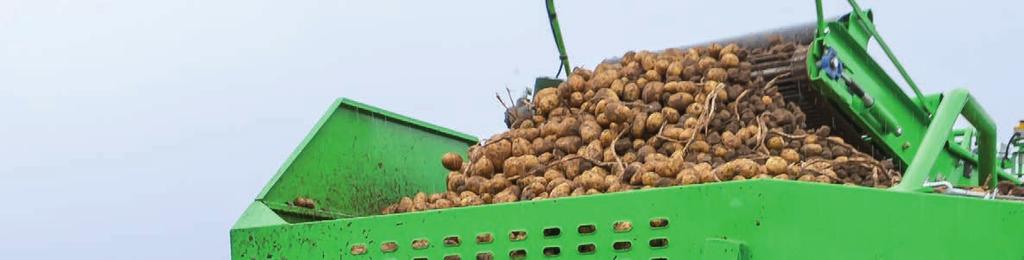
717	74
730	60
451	161
776	165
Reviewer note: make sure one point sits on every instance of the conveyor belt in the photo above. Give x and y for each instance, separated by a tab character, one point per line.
796	87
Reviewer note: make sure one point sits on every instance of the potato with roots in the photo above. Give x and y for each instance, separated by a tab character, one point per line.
497	152
650	120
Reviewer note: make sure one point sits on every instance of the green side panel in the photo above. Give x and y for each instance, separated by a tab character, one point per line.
759	219
358	159
545	82
258	215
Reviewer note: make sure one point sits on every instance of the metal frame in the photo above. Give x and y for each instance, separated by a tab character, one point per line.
916	131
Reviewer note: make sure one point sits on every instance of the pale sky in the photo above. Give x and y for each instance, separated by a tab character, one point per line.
139	129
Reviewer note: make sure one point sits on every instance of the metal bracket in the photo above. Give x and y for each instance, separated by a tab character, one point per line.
831	64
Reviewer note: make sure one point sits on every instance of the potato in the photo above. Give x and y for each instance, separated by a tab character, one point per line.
617	112
695	109
475	184
823	179
687	178
496	184
776	165
576	99
562	190
541	145
717	74
405	205
569	144
456	181
811	150
520	166
776	143
521	146
671	115
674	69
451	161
706	63
497	152
714	49
680	101
482	167
576	82
730	60
790	155
649	178
652	91
654	122
807	178
442	204
745	167
700	146
652	75
504	197
546	100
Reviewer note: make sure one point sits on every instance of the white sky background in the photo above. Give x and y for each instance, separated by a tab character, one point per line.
137	129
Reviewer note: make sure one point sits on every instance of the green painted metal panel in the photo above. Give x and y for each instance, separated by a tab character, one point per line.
357	159
773	219
257	215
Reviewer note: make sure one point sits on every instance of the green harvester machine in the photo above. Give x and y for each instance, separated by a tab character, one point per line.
358	159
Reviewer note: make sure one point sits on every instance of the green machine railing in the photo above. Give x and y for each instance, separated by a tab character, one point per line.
916	131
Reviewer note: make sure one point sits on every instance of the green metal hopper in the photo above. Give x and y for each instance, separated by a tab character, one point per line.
324	201
359	158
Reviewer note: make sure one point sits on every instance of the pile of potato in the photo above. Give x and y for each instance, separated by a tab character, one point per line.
652	119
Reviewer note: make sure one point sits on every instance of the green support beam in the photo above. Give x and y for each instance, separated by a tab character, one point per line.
563	56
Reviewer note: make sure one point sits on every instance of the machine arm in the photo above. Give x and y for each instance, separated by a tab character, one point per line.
870	28
915	131
557	32
954	103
